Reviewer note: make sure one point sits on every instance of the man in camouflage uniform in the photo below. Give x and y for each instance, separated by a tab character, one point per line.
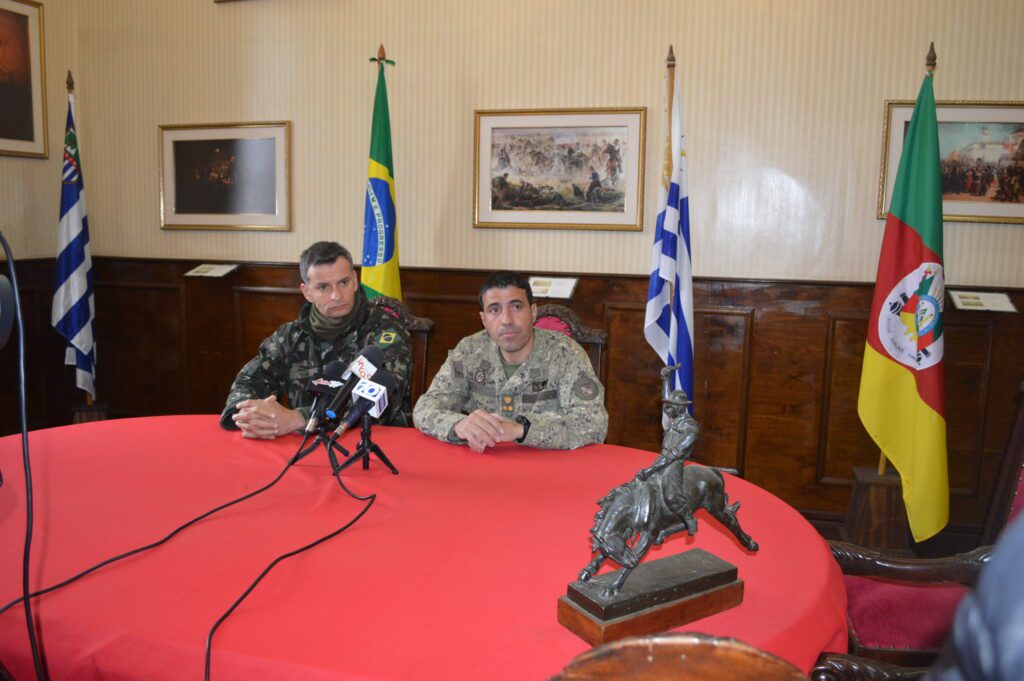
335	323
512	382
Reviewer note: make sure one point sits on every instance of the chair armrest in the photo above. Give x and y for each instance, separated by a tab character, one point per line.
962	568
836	667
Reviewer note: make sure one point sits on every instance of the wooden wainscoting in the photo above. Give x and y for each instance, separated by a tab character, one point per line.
777	365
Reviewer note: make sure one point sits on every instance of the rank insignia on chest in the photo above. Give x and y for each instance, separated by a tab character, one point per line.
479	376
386	338
507	405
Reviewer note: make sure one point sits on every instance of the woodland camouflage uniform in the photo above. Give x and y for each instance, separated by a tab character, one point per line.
293	354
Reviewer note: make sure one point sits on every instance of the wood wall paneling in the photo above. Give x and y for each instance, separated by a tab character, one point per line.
49	383
777	365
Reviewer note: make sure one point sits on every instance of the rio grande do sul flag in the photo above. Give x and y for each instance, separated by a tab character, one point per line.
902	395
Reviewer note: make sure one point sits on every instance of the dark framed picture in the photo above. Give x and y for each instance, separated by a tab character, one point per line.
230	176
22	80
981	154
559	169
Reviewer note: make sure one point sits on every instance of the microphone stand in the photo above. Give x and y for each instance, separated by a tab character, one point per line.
366	447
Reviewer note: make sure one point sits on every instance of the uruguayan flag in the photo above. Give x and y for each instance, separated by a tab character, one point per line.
73	307
668	325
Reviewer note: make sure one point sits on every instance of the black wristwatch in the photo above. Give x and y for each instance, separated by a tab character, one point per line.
525	423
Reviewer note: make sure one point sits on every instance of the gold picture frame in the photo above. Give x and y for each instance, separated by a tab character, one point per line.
226	176
976	138
23	88
559	168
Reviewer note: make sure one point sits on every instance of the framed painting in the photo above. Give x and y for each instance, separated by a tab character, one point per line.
981	156
231	176
559	169
22	79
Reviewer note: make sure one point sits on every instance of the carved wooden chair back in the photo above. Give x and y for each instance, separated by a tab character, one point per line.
680	657
420	329
1008	498
900	610
593	341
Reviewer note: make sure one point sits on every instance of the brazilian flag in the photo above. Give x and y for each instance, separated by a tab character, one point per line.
380	242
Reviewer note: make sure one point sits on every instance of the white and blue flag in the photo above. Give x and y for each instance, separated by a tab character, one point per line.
73	307
668	324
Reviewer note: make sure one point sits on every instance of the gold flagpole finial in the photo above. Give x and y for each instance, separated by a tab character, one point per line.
929	61
70	82
670	60
382	57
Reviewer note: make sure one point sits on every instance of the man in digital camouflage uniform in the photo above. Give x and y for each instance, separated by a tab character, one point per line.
512	382
335	323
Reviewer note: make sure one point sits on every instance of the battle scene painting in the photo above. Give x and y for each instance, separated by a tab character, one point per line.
577	168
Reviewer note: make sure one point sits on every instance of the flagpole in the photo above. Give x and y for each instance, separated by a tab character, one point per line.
70	82
930	62
670	63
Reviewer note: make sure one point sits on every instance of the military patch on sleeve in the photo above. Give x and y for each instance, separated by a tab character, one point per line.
585	388
386	338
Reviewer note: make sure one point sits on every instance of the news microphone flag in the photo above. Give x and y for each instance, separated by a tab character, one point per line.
380	238
902	384
668	324
73	307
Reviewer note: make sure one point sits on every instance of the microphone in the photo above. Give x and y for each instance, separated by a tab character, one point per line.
323	388
365	365
372	399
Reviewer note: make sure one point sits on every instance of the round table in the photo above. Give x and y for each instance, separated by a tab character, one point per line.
454	573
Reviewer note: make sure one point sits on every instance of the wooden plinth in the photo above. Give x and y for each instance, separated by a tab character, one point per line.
877	517
659	595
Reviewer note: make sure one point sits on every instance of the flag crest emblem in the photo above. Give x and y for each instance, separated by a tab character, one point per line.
910	321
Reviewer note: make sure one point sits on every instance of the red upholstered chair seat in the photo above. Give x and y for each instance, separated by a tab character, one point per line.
892	615
553	324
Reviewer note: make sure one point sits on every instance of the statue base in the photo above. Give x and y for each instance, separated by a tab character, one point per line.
659	595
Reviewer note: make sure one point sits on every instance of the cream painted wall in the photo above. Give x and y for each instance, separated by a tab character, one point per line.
783	100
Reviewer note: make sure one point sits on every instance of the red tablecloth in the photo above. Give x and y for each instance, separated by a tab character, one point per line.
453	574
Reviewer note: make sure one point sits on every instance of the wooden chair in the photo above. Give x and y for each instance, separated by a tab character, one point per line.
900	610
419	329
680	657
594	341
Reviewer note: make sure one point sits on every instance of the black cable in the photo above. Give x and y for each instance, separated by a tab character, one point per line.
220	620
133	552
37	659
331	443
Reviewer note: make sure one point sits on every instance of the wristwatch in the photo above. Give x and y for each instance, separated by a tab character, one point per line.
525	423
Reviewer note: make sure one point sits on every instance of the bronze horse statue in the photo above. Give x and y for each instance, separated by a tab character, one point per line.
644	512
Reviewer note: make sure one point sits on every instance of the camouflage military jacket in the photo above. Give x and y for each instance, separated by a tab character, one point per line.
555	388
293	354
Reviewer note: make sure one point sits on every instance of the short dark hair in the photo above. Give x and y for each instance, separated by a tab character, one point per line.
321	253
505	279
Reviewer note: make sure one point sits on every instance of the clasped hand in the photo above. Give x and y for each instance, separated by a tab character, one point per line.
266	419
482	429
